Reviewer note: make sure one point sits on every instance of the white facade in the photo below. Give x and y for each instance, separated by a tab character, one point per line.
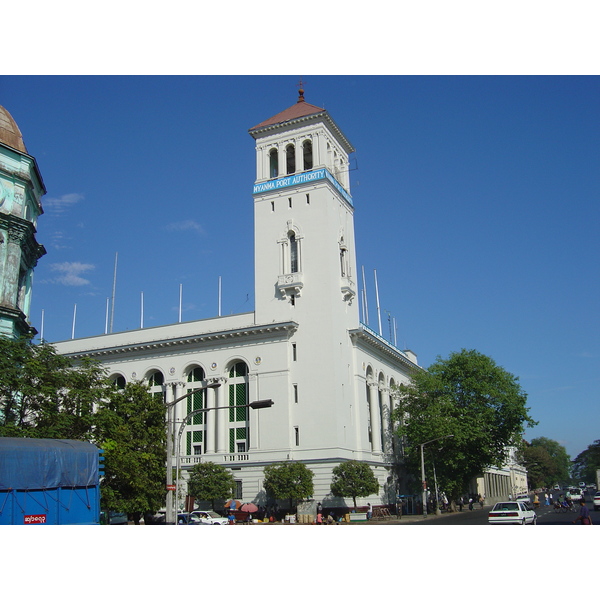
303	346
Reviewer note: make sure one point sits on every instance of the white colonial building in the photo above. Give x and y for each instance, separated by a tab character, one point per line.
330	377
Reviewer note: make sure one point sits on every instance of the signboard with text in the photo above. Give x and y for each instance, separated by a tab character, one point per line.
308	177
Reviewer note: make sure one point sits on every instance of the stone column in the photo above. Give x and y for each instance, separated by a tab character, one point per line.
375	417
253	414
210	423
222	417
386	420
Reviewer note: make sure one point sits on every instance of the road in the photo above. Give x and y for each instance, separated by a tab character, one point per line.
479	516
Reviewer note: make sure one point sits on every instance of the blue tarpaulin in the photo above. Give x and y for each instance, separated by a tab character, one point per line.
36	464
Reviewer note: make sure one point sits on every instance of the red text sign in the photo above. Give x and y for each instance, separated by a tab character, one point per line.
34	519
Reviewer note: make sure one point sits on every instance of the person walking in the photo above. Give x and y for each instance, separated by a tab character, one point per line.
584	514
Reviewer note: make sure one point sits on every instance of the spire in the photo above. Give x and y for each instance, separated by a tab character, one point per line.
300	91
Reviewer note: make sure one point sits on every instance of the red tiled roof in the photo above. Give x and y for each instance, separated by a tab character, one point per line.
296	111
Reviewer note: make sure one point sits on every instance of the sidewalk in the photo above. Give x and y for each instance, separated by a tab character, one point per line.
394	520
405	519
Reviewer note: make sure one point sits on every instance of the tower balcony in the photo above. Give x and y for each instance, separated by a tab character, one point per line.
348	288
290	284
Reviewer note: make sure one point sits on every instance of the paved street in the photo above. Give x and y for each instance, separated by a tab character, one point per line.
546	516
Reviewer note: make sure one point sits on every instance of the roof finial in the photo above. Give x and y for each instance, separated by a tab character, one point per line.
301	91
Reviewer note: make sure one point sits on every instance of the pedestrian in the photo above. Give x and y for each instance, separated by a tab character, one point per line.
319	514
584	514
471	502
369	511
460	504
481	500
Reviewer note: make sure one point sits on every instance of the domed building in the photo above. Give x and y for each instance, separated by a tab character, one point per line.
21	190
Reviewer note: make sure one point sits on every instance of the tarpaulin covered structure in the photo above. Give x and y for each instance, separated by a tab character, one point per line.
49	481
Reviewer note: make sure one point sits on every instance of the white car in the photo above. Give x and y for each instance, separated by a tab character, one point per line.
575	494
597	501
209	517
512	513
525	499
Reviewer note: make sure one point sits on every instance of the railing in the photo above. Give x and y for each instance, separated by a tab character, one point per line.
217	458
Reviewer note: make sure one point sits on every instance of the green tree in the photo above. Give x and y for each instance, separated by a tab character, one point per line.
469	397
210	482
541	470
131	431
587	463
44	395
289	480
353	479
547	462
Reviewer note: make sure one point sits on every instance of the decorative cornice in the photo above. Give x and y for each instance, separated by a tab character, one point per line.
214	337
367	336
293	123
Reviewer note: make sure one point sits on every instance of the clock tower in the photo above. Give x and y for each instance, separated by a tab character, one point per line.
305	264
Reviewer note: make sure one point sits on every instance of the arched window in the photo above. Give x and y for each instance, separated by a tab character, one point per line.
118	381
155	378
308	155
238	412
273	163
290	157
196	401
293	252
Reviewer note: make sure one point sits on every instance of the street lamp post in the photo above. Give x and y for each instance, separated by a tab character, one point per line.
170	518
257	404
423	481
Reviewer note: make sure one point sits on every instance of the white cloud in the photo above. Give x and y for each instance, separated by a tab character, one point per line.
70	273
188	225
62	203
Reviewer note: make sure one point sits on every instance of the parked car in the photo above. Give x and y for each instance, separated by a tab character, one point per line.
113	518
597	501
187	519
209	517
512	513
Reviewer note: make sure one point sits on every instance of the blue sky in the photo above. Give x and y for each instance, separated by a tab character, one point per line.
476	200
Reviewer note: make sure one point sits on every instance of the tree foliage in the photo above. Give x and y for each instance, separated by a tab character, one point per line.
469	397
131	431
587	463
210	482
547	463
353	479
43	395
291	481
